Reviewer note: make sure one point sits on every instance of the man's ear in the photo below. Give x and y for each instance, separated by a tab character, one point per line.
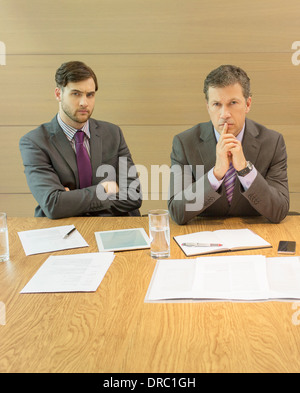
248	104
58	94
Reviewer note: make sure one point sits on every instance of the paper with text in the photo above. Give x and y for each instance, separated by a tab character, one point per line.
234	277
70	273
39	241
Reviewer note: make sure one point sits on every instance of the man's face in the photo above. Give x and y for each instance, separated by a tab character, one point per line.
228	105
76	102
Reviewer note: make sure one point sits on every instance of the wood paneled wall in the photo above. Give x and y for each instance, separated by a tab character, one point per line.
151	58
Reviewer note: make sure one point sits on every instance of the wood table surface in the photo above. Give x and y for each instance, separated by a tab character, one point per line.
113	330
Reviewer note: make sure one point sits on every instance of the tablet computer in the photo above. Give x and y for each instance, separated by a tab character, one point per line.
122	239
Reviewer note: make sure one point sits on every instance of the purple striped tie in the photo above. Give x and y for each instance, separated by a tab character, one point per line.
83	161
229	182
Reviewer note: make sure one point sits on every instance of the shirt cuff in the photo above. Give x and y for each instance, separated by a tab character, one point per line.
214	182
246	181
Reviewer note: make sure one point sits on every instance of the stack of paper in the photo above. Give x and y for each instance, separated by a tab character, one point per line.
236	278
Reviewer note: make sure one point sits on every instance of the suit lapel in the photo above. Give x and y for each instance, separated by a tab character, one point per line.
207	146
95	147
251	145
63	146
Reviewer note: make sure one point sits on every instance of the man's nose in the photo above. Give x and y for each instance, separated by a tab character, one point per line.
225	113
83	101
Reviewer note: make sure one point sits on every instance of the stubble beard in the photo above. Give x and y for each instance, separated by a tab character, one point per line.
72	116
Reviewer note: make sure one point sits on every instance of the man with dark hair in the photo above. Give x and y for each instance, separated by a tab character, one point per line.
76	165
244	164
74	71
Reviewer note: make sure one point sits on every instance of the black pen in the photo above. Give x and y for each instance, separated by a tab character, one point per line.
69	233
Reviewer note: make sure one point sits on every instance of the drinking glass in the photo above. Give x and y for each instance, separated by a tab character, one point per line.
159	233
4	247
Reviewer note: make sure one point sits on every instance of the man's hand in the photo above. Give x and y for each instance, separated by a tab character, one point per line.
223	154
238	159
110	187
228	150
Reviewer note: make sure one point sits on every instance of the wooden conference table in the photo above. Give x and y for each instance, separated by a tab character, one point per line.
112	330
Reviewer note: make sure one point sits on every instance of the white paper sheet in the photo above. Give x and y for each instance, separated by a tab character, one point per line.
173	279
39	241
238	277
232	278
70	273
284	277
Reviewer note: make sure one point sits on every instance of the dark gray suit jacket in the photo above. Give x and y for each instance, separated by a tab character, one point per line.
50	166
268	195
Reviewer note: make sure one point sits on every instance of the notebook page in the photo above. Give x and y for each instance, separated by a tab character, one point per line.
241	238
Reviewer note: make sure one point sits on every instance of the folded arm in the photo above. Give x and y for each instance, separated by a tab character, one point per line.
53	186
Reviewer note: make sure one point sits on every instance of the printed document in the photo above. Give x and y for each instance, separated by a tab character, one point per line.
70	273
236	278
39	241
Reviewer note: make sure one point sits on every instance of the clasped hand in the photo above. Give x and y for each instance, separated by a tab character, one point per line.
228	150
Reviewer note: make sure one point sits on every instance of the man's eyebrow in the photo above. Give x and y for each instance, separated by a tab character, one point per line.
229	100
79	91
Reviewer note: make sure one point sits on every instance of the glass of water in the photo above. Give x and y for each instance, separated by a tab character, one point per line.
4	248
159	233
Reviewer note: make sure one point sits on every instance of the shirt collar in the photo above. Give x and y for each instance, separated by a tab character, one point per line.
239	137
71	131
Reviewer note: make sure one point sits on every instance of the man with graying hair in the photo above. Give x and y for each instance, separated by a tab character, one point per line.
76	165
244	164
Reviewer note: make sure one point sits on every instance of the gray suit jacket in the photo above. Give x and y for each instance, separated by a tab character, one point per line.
50	166
268	195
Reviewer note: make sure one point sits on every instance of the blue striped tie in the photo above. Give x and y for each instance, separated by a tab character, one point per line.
229	181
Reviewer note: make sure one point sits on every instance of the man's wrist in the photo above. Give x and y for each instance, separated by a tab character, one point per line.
247	169
241	167
218	175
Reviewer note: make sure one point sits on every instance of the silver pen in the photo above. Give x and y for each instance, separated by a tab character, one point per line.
202	244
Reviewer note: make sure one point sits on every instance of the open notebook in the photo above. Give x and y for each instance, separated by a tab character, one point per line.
225	240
